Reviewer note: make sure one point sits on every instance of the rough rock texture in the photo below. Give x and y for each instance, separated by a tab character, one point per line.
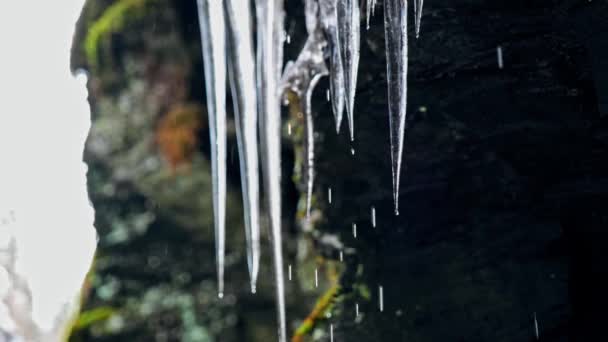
503	194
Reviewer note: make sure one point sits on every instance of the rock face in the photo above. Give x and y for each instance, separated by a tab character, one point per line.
502	218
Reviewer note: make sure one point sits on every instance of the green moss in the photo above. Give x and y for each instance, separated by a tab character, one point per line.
113	19
90	317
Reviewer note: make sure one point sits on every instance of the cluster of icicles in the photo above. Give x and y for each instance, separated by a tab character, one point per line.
259	84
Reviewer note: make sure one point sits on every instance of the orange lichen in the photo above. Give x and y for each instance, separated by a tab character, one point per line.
176	134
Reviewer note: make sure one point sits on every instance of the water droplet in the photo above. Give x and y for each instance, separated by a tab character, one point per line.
381	298
220	295
329	195
289	128
499	57
331	332
374	217
536	332
341	256
355	230
316	277
356	309
289	272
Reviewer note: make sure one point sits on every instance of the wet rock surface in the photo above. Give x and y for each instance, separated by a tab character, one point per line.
502	199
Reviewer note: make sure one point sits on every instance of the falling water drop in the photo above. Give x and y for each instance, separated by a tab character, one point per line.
329	195
536	332
316	277
289	129
355	230
331	332
341	256
220	295
381	298
395	29
289	272
288	39
374	217
352	151
356	309
327	95
499	57
211	20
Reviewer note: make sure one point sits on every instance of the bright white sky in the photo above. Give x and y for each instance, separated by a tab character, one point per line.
44	121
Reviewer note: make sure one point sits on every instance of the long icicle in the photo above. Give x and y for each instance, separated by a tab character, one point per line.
418	4
301	77
270	18
241	73
349	33
211	20
329	21
395	26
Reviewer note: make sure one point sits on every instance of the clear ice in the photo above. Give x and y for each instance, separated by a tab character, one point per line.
329	20
211	20
270	21
395	30
301	77
241	73
349	34
418	4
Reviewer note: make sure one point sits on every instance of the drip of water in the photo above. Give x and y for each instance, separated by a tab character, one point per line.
374	217
381	298
499	57
355	230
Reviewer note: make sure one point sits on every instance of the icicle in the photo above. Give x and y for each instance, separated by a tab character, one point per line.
418	4
242	81
369	11
301	77
309	151
270	16
395	26
211	20
329	22
349	33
